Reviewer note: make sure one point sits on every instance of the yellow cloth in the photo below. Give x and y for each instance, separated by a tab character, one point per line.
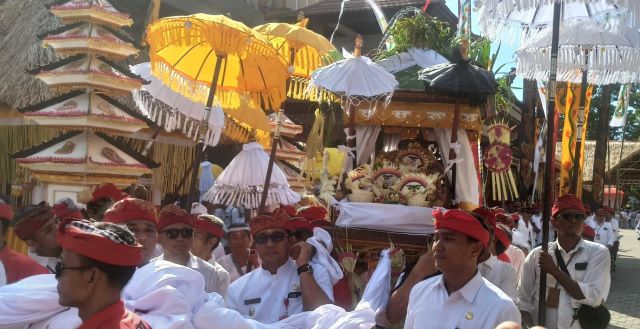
184	51
569	138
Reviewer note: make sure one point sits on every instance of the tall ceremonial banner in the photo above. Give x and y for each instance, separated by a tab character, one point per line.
569	137
619	118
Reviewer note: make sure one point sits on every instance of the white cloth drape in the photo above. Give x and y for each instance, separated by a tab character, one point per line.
390	142
366	137
3	275
466	178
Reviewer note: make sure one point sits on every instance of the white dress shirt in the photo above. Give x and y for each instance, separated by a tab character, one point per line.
604	233
227	263
615	225
516	258
501	274
47	262
537	221
526	229
267	298
477	305
212	282
223	277
588	263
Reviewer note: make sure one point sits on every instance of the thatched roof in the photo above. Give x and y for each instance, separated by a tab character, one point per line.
630	149
20	23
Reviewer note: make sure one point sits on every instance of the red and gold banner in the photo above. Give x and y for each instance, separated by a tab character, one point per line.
570	136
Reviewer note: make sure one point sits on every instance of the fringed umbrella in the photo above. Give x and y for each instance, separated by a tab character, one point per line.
356	79
211	56
241	183
304	50
589	53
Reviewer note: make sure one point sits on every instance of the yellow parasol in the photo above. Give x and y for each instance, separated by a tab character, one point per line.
198	53
304	50
211	56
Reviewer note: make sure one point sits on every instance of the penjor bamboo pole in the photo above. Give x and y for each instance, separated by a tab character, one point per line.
576	171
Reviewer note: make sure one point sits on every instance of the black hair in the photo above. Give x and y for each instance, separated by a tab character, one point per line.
117	276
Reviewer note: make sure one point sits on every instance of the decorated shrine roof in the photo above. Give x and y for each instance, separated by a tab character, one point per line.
85	152
78	108
98	11
85	71
85	37
288	128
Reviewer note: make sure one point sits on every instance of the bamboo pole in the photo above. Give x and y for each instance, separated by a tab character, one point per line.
203	128
549	165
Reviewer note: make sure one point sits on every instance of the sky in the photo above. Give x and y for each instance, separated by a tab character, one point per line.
506	54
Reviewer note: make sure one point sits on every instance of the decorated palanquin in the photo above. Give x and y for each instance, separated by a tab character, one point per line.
88	83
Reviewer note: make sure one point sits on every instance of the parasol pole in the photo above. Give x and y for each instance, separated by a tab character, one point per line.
203	127
452	152
549	177
615	201
578	150
351	137
276	140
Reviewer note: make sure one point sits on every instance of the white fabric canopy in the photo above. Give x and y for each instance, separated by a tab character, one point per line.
366	137
414	56
242	181
466	177
612	56
386	217
172	104
500	19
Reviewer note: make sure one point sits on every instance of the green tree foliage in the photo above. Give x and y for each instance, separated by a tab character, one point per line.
632	130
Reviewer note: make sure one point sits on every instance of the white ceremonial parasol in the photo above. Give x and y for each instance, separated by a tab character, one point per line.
355	79
609	56
503	18
242	181
173	111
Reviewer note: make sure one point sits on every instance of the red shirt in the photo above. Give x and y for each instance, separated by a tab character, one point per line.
115	317
18	266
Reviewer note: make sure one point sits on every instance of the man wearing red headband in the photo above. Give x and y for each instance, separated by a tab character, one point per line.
583	280
15	266
175	233
36	225
241	259
282	286
141	218
97	261
460	297
207	234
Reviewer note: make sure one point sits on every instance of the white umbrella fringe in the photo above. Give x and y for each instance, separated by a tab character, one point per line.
512	21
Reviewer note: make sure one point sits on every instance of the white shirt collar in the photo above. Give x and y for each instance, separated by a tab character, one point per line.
469	290
285	269
579	246
491	261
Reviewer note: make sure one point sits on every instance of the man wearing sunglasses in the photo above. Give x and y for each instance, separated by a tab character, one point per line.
282	286
15	266
141	218
587	263
175	234
97	261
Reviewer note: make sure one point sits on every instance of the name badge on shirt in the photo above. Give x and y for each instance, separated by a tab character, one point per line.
294	294
252	301
581	266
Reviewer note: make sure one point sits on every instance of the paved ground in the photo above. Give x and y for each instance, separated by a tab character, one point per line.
624	297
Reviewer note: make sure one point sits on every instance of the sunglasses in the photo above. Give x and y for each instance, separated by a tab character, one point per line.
275	237
569	217
59	269
173	233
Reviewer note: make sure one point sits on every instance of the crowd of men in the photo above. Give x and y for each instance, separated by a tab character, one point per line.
482	270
